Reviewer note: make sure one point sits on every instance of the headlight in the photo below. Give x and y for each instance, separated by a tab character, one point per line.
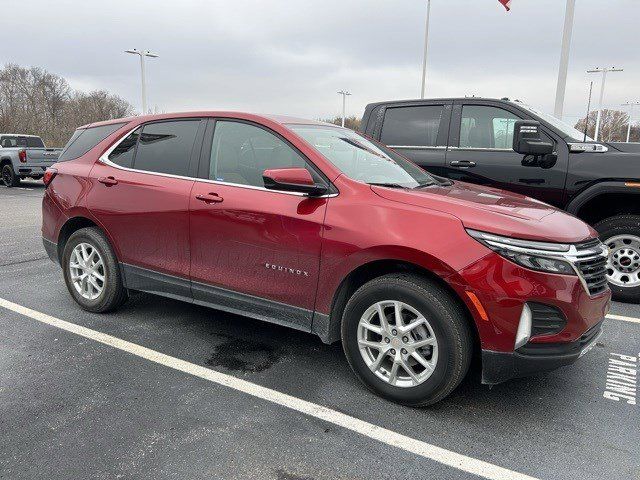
540	256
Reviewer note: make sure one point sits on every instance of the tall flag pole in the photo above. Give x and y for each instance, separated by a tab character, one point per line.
564	58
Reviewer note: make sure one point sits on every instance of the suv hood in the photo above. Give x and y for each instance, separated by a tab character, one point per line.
496	211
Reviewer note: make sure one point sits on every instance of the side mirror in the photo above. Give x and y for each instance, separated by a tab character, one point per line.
292	180
527	139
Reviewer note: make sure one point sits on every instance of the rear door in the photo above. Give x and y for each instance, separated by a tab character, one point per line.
418	131
140	194
480	151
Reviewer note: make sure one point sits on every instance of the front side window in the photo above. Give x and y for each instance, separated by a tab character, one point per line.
486	127
240	153
411	126
9	142
362	160
165	147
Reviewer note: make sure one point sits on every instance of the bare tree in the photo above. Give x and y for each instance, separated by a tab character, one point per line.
34	101
351	122
613	125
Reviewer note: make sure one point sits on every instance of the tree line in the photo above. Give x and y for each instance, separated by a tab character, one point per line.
34	101
613	126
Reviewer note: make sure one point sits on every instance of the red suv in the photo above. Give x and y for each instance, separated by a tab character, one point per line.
315	227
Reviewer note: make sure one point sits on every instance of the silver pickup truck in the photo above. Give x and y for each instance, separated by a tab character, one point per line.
23	156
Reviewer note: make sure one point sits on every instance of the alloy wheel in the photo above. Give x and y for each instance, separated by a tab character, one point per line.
87	271
397	343
623	265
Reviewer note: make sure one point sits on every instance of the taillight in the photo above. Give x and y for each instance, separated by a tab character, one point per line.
49	174
22	155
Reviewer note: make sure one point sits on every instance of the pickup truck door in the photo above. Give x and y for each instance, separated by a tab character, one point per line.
480	151
417	131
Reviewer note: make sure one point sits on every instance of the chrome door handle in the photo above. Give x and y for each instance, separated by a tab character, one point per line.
462	163
209	198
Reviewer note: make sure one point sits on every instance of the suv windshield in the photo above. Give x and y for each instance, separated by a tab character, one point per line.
362	160
565	128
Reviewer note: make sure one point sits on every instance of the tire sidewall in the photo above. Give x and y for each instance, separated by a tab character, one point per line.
433	310
111	273
621	225
14	181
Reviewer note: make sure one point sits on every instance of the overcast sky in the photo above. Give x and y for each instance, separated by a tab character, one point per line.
290	57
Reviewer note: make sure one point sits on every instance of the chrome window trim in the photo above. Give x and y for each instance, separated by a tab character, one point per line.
483	149
104	158
418	147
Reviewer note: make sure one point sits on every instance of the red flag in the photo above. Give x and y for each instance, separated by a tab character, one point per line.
506	3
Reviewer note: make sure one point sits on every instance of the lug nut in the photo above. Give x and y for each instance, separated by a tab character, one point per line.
405	339
386	340
392	351
394	331
404	351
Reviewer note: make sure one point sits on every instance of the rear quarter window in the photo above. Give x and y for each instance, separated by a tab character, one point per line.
85	139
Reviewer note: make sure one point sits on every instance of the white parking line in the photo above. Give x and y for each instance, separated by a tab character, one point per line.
389	437
623	318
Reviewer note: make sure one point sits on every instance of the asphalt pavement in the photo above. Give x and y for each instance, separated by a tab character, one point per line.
75	403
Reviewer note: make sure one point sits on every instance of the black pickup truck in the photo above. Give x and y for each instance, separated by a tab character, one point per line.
509	145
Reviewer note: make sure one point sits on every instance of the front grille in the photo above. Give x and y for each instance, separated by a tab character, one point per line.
592	266
545	319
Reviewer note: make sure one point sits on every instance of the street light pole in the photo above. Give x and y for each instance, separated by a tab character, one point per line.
142	54
564	58
426	46
604	72
631	106
344	94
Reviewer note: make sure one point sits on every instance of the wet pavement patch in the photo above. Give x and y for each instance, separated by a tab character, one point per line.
283	475
244	356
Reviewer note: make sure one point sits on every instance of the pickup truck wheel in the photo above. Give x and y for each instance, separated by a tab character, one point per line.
91	271
622	235
406	339
9	177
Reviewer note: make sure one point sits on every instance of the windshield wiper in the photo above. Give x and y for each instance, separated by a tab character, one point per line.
390	185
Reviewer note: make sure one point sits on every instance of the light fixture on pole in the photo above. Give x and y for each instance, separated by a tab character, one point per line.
631	106
426	47
564	58
604	72
344	94
142	54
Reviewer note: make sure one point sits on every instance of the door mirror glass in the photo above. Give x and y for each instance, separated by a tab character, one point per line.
528	140
292	180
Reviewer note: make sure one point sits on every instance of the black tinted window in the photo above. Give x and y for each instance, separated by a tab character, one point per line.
166	147
123	154
415	126
85	139
240	153
34	142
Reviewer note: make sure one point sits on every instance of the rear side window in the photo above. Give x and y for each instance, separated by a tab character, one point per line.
411	126
85	139
165	147
123	154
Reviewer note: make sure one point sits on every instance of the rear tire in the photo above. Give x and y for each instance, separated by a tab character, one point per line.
9	177
102	289
622	235
446	328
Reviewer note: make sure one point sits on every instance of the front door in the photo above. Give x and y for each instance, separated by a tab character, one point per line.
254	249
480	151
140	194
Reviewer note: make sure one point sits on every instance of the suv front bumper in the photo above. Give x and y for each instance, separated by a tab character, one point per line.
531	358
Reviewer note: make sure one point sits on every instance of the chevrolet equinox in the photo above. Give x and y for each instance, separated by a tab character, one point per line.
318	228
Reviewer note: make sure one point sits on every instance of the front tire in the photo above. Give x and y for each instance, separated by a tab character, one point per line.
407	339
91	271
622	235
9	177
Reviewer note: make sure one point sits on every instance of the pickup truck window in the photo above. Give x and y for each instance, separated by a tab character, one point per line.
21	141
486	127
361	159
9	142
84	139
411	126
